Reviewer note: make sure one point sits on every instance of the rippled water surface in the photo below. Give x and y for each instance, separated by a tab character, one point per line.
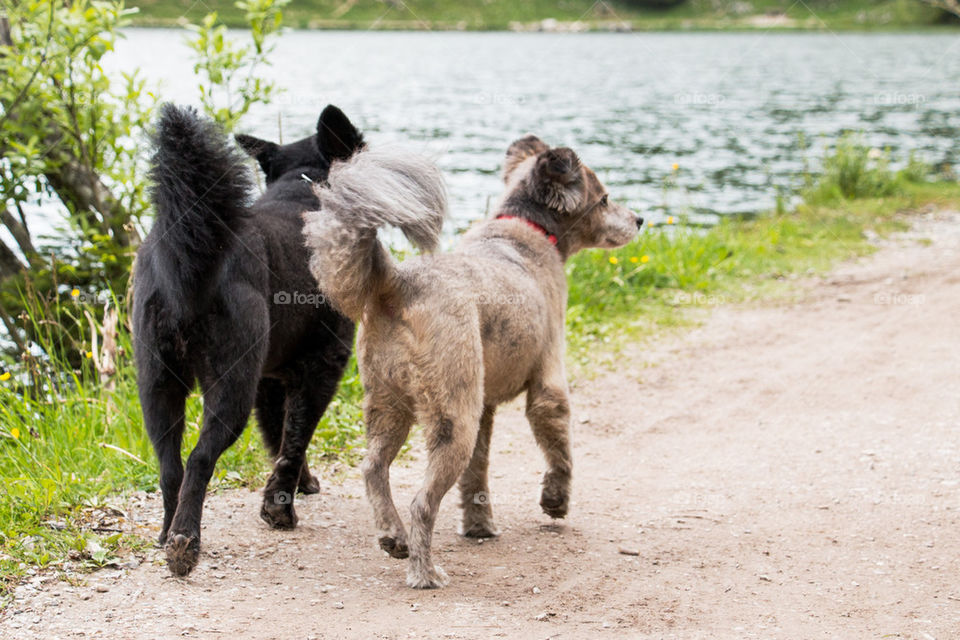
728	109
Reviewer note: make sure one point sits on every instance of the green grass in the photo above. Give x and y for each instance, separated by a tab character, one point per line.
854	170
672	273
69	452
499	14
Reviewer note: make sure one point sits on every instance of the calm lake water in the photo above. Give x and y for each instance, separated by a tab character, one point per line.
730	109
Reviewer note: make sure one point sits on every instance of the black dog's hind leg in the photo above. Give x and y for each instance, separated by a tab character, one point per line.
229	386
271	398
163	398
308	394
226	408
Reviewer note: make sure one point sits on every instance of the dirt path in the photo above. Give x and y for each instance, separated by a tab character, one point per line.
789	471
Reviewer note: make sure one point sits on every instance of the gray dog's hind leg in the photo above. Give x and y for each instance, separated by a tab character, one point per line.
387	429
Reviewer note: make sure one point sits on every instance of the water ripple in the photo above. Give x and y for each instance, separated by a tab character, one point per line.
729	109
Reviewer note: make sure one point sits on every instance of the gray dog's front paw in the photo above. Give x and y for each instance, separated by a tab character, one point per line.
555	497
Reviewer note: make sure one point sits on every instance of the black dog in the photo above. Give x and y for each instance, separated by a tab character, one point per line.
223	297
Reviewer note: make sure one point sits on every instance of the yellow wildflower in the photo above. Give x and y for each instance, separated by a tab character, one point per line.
669	219
75	293
613	260
4	376
645	259
89	354
676	166
15	433
634	259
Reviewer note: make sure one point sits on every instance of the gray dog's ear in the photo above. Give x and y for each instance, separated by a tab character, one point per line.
558	180
521	149
559	165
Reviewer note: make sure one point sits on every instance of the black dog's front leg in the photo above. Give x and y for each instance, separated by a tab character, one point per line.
270	409
304	406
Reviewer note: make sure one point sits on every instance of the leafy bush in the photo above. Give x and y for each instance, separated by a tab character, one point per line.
67	138
855	170
229	86
71	148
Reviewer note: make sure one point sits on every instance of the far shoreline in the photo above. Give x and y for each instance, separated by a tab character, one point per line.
345	26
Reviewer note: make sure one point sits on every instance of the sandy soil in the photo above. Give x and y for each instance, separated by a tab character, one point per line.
788	471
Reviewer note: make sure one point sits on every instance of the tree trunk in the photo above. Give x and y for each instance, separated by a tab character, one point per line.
950	6
10	264
83	192
21	235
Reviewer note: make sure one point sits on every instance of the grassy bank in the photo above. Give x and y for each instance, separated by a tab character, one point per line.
667	277
673	272
70	451
613	14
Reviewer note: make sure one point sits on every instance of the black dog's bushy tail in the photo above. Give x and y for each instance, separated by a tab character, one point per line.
200	192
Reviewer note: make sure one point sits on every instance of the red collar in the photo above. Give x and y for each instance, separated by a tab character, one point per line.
552	238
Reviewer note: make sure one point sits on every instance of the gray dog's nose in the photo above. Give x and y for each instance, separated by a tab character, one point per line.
639	222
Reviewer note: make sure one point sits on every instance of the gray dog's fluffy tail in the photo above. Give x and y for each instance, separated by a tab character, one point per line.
371	190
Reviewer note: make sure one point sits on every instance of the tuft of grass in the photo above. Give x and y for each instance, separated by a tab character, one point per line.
853	170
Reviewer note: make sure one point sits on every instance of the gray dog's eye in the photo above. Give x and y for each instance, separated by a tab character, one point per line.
603	201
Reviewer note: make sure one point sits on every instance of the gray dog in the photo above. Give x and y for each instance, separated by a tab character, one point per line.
446	338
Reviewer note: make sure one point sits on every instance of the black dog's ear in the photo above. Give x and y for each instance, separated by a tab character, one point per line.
262	150
337	138
520	150
558	179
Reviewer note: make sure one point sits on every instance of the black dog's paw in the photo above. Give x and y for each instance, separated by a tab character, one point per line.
183	553
308	484
397	548
277	511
